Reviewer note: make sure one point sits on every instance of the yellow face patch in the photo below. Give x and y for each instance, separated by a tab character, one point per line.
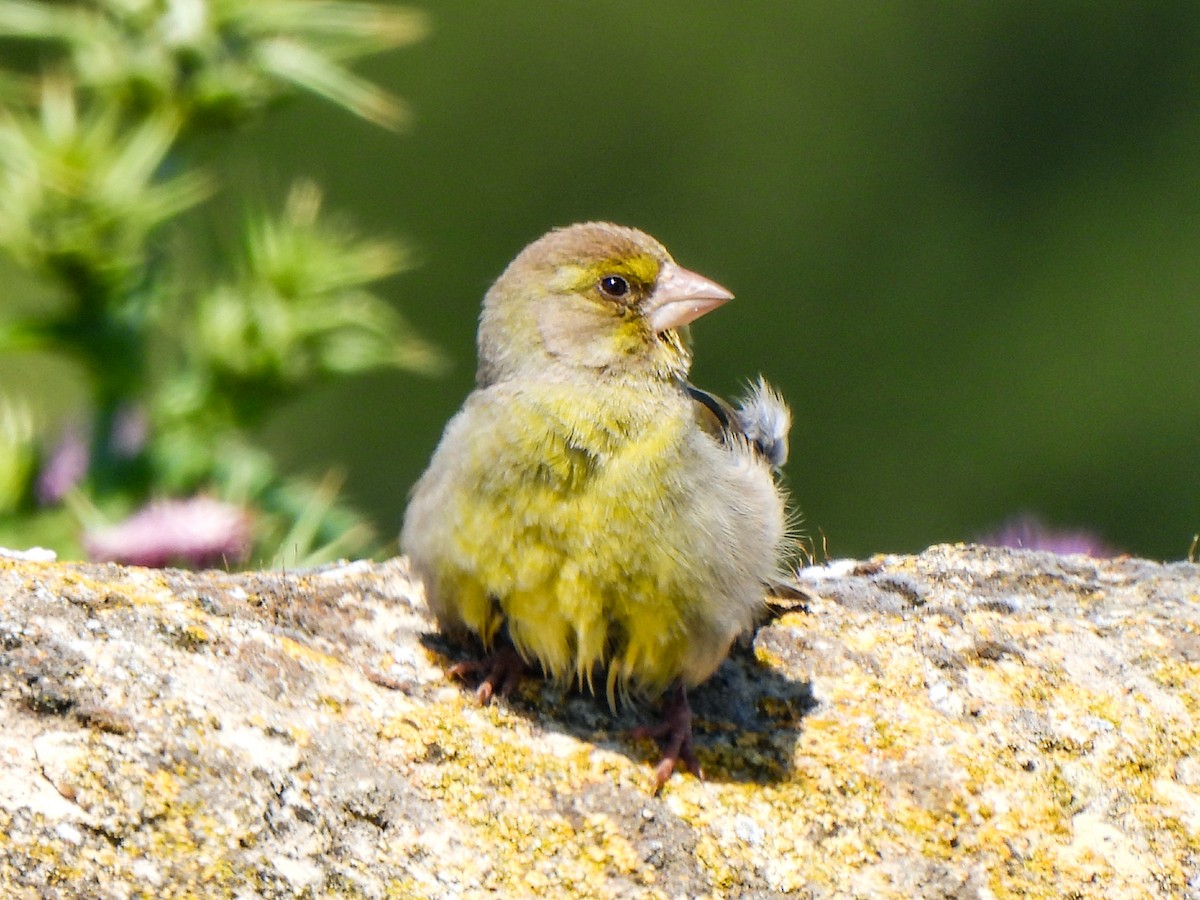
640	271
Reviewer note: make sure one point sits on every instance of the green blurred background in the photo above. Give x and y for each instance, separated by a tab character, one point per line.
965	239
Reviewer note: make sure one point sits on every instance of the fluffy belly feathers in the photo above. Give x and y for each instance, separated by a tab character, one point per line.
602	558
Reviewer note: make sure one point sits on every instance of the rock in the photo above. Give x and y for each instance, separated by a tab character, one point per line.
966	723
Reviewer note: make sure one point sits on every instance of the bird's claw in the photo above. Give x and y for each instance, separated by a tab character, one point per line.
501	672
674	737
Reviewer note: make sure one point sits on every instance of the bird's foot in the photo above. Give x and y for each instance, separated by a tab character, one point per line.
501	672
674	737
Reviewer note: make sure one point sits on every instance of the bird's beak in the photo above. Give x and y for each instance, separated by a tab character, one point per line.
680	297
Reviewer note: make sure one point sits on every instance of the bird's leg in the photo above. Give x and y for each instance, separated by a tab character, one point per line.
674	736
501	669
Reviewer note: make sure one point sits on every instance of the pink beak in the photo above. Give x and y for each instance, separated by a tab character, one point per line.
680	297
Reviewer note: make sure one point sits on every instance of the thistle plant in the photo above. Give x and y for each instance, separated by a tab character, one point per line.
94	172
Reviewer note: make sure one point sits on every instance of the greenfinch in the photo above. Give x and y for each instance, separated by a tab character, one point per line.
588	510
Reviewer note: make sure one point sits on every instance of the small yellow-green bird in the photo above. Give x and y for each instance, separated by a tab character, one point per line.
588	510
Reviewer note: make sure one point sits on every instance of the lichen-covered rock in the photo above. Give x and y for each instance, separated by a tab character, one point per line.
964	723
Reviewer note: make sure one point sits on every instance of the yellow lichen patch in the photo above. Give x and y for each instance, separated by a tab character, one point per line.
767	657
716	861
304	653
299	735
336	705
161	791
154	823
477	761
1174	673
98	594
194	636
607	847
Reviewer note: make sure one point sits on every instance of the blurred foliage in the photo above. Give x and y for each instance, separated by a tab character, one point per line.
206	61
18	455
963	239
96	162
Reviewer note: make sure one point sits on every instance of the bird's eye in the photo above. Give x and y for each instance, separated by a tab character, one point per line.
614	286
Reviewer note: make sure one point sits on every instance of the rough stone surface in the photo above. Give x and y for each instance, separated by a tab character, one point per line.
967	723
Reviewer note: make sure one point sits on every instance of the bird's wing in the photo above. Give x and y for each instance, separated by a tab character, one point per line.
761	420
714	415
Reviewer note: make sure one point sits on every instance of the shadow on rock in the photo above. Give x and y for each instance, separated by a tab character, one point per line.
746	717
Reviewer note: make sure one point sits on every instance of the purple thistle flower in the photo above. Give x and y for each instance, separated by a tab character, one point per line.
1028	532
196	533
67	464
65	468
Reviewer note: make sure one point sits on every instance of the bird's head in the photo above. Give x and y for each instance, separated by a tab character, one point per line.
593	297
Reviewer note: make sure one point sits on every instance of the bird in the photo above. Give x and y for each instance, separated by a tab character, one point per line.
588	511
